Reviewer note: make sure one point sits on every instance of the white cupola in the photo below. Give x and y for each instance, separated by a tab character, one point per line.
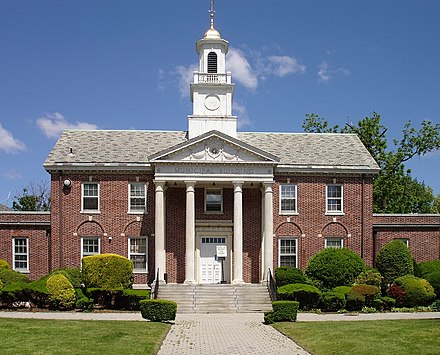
212	90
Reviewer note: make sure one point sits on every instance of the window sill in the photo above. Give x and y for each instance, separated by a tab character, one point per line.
22	271
137	212
335	214
288	213
213	212
90	211
140	271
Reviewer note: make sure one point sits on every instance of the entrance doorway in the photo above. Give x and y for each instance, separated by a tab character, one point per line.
210	265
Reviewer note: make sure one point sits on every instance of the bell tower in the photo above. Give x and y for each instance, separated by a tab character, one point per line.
212	90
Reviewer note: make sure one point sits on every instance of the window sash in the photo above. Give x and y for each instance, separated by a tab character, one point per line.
21	254
213	200
288	252
288	198
334	198
137	253
137	197
90	196
335	242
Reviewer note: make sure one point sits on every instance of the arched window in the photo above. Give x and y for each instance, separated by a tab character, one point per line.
212	62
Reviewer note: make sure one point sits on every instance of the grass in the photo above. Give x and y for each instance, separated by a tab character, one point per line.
38	336
366	337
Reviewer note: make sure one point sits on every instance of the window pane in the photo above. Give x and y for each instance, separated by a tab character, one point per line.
90	196
213	200
90	203
334	243
288	198
90	246
138	253
137	197
288	261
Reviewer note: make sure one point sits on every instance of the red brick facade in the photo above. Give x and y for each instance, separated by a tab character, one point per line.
55	238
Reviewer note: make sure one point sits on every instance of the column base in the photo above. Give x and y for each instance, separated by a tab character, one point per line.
189	282
238	282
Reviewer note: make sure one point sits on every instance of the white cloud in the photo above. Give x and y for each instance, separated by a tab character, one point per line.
285	65
237	63
241	112
53	124
9	143
10	174
185	77
325	73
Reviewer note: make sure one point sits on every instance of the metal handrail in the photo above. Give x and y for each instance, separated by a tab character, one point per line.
272	286
156	286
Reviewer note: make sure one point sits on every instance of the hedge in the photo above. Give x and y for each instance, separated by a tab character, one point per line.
418	292
332	301
285	275
308	296
361	296
335	267
8	276
122	299
394	260
434	279
4	264
429	267
158	310
62	295
107	271
283	311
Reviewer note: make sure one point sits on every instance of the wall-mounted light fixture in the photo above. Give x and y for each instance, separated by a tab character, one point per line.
67	184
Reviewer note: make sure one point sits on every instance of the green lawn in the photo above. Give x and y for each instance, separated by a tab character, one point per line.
366	337
38	336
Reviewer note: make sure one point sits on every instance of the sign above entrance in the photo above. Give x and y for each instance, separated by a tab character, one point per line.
222	251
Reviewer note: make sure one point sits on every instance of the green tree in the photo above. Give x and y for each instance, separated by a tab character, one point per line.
35	197
395	190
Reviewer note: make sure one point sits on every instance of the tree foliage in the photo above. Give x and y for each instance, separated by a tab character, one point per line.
35	197
394	260
395	190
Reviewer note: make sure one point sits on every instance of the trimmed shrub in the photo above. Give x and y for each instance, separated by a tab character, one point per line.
388	303
4	264
61	292
308	296
397	293
38	293
332	301
13	294
335	267
428	267
362	296
394	260
369	277
283	311
378	304
72	273
158	310
123	299
8	276
344	290
434	279
1	284
418	292
107	271
436	306
285	275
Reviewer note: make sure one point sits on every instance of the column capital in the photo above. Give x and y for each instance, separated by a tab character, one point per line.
190	185
160	184
267	186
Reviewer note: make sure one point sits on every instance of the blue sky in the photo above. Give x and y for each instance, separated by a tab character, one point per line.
125	65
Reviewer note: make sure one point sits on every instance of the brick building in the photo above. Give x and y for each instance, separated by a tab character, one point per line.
174	201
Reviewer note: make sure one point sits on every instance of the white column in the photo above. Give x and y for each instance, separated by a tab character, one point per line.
190	232
159	231
268	228
238	232
262	266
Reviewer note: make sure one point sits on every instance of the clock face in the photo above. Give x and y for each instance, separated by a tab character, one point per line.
212	102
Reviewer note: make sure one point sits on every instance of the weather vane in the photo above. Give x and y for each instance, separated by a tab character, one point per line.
212	12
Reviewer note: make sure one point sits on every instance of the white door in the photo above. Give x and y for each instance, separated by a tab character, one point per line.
211	268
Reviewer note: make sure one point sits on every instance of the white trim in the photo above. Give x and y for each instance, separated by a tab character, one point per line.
296	249
403	239
334	239
25	271
337	212
221	200
145	198
82	197
82	245
288	212
129	254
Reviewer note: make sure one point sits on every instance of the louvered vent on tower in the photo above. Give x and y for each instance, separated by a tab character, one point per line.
212	62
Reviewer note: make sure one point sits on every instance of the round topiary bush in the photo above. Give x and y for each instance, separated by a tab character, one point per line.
4	264
335	267
332	301
434	279
107	271
62	295
158	310
308	296
418	292
369	277
394	260
285	275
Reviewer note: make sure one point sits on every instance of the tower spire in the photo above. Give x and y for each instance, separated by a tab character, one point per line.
211	14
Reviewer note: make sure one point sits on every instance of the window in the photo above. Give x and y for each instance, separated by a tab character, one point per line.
334	199
137	253
288	198
213	200
90	197
405	240
212	63
334	242
287	252
137	197
20	251
90	246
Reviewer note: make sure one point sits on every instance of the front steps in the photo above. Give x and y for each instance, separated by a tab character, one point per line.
217	298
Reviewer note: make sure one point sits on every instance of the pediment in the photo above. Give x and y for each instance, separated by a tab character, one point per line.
214	147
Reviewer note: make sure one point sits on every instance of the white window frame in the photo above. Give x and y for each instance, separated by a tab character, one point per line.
295	210
15	254
207	190
82	246
405	240
333	239
130	208
130	254
284	238
98	197
327	198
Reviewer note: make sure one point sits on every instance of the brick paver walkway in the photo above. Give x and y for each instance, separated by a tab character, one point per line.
242	333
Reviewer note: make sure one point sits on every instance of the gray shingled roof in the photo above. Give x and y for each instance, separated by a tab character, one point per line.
132	148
